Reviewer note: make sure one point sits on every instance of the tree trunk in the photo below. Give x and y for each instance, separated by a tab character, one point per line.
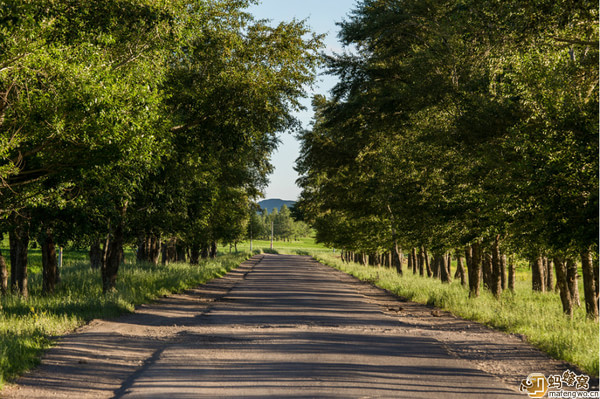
172	250
19	241
503	271
537	274
441	261
410	264
596	269
469	263
486	267
427	263
205	251
169	251
12	255
371	259
181	252
95	255
3	274
154	249
417	266
460	270
49	263
573	282
142	249
110	268
511	274
496	282
213	250
164	257
473	256
415	261
401	257
195	254
396	259
560	268
114	253
549	274
589	285
421	262
435	265
449	266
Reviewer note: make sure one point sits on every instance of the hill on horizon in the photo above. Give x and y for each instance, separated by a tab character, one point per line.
274	203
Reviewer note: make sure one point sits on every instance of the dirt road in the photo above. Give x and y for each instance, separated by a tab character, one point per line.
284	326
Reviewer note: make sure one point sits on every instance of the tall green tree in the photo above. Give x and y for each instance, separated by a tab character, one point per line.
450	123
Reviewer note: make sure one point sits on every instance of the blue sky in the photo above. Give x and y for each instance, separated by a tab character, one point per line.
321	16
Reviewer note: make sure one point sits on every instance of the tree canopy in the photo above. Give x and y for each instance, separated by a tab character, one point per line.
140	121
457	123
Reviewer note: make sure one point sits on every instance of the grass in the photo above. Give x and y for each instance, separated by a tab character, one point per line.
30	326
302	246
538	316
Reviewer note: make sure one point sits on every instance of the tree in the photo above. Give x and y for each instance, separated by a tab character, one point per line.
80	103
167	110
450	124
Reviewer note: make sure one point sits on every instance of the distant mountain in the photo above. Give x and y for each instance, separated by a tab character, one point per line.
274	203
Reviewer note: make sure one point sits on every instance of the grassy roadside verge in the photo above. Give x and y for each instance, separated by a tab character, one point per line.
301	245
28	327
537	316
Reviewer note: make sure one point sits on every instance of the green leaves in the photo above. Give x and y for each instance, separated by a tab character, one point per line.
465	119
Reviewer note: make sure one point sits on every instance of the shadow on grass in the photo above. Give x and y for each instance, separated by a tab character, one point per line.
302	252
270	251
21	351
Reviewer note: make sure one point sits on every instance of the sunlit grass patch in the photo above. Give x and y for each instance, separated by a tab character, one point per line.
301	245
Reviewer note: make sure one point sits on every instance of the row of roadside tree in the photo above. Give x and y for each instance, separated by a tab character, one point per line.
280	224
464	128
139	122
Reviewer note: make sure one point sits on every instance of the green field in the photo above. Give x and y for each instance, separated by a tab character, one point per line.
304	246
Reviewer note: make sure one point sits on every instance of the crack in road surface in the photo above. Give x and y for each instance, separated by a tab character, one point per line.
284	326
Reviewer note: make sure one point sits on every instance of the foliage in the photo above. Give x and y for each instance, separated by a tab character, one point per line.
285	227
140	121
457	123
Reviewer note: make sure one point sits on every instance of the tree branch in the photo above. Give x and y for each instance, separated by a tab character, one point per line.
576	41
